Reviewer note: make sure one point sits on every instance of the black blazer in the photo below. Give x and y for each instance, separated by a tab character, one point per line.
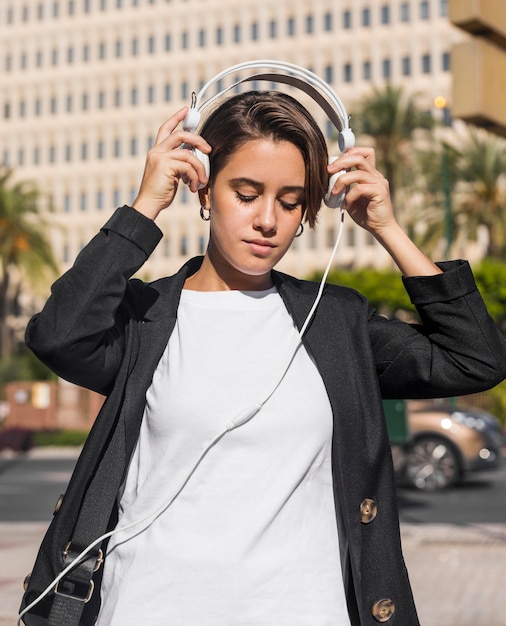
103	330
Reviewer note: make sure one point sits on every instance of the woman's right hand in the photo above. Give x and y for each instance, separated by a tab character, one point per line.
167	163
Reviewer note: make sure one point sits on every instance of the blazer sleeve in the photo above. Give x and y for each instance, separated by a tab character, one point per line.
455	350
80	332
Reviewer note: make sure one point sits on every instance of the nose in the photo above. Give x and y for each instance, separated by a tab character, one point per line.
265	218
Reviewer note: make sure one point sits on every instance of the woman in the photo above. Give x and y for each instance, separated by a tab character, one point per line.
284	513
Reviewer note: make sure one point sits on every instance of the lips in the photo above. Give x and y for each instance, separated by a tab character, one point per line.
260	246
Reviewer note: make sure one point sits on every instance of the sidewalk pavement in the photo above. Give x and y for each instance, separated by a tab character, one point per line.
458	572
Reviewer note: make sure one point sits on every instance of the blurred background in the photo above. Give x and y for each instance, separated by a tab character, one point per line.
84	86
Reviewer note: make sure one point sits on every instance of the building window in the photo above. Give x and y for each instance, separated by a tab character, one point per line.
36	156
67	203
151	45
385	14
237	33
86	53
328	22
387	68
424	10
406	66
37	107
219	36
118	48
100	149
68	152
40	12
101	99
117	98
83	201
443	8
133	146
254	31
151	94
39	58
329	74
446	62
52	154
116	198
426	64
404	12
22	108
347	73
100	200
366	70
290	27
347	19
84	151
54	56
202	38
309	24
273	29
84	101
184	90
167	92
21	157
69	105
23	61
168	43
366	17
133	96
101	51
117	148
53	105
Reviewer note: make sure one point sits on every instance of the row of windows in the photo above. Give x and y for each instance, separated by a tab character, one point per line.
203	38
118	98
87	6
56	9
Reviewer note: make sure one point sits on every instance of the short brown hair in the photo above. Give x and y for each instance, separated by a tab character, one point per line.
270	115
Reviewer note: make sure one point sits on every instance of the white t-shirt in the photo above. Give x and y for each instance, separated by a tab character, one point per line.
251	540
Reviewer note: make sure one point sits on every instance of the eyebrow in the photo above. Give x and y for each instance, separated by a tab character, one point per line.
260	186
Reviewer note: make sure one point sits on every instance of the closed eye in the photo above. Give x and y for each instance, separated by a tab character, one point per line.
243	198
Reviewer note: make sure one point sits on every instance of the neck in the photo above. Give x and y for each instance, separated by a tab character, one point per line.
207	278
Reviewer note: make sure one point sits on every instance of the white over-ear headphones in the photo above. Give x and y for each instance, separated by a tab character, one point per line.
288	74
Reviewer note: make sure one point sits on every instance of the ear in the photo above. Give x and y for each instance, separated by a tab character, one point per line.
205	197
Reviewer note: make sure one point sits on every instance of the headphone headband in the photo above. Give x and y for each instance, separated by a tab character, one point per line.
293	75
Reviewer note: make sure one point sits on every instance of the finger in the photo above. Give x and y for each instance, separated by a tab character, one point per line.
362	158
169	126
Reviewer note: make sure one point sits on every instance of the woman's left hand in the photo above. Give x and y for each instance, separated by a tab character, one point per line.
368	199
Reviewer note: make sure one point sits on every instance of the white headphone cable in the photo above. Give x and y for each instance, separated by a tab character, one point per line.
242	418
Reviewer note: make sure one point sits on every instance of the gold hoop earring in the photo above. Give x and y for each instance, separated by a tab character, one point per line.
203	215
301	226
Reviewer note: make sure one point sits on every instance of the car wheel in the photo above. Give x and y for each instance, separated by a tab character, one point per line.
432	463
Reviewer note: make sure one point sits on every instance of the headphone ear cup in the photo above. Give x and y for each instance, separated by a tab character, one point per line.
332	200
203	158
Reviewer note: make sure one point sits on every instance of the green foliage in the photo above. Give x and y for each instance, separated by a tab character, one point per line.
60	438
497	401
23	366
383	288
490	277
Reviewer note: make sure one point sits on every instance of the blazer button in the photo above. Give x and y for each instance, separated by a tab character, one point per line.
58	504
368	511
383	610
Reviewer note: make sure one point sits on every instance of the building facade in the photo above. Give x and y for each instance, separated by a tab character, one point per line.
85	84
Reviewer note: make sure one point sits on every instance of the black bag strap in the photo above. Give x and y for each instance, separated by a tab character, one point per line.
76	588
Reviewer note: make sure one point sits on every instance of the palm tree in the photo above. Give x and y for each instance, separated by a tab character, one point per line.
481	170
25	252
391	118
